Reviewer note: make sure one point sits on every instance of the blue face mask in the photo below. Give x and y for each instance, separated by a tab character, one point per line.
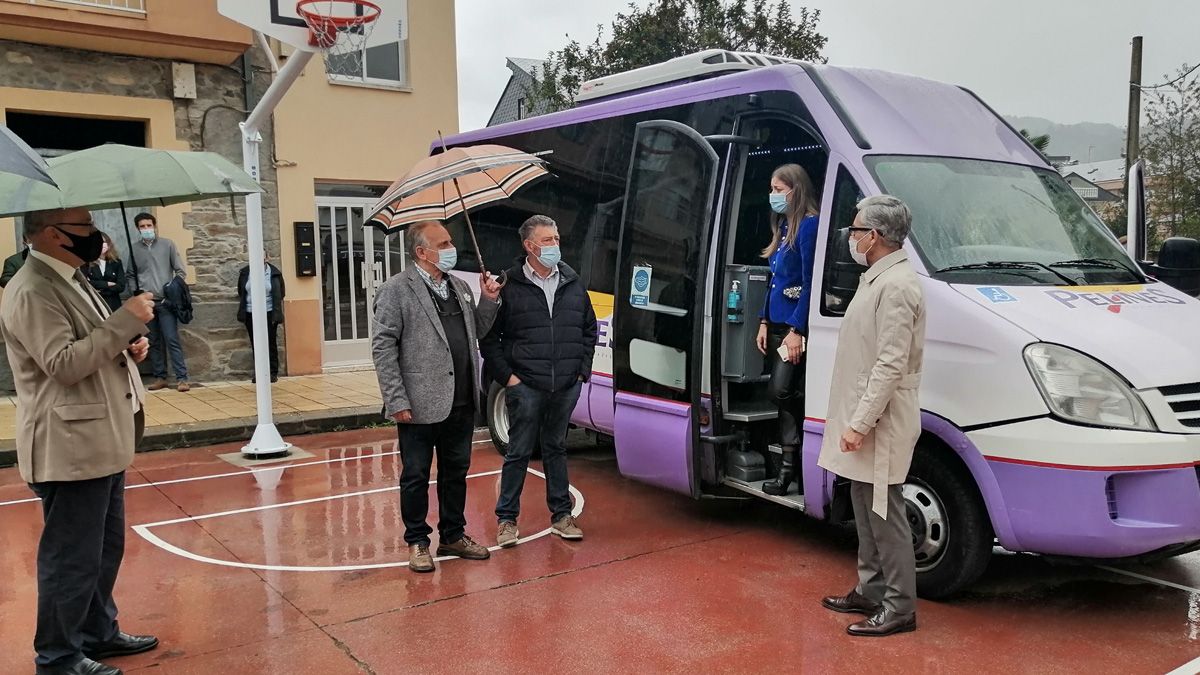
779	201
147	235
550	256
447	259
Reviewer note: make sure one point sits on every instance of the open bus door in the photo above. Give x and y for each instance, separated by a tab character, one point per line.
658	317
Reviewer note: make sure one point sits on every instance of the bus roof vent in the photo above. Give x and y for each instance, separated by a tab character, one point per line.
698	66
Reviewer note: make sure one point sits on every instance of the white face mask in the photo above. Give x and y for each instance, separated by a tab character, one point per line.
859	257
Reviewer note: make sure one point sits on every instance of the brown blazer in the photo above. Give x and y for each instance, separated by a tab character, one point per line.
876	375
75	411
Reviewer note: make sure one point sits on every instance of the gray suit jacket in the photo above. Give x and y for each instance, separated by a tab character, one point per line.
412	355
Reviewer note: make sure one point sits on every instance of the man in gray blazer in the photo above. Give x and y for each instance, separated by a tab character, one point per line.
423	339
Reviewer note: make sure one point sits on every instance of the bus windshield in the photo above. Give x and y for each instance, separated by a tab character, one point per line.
981	222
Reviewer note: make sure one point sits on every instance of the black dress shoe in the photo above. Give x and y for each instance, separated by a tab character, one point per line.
84	667
851	603
123	644
885	622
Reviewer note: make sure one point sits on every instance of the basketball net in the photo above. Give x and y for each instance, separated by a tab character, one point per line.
339	29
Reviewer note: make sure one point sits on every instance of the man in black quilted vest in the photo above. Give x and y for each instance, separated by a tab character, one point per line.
540	348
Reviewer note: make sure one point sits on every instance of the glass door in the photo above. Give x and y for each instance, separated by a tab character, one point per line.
659	307
354	264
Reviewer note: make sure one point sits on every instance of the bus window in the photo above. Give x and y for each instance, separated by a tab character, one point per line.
841	272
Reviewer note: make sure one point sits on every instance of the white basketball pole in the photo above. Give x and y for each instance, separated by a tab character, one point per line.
266	440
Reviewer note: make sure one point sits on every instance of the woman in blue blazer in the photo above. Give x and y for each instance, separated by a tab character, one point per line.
784	316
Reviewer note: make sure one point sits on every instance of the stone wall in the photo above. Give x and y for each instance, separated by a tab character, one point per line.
215	343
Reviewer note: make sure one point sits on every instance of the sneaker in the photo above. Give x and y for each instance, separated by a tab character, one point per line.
419	559
566	528
464	548
157	384
508	534
184	387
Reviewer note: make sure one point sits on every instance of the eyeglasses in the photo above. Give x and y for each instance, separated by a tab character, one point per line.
75	224
861	229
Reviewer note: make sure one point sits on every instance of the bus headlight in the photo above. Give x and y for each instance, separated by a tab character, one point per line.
1080	389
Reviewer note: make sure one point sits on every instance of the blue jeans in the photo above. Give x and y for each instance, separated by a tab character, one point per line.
537	416
164	333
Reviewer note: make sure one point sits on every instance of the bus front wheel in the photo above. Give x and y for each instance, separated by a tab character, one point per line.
952	535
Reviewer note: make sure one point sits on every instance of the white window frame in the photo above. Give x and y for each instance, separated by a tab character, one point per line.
104	4
403	84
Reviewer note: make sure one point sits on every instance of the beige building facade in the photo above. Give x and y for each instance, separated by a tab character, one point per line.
178	75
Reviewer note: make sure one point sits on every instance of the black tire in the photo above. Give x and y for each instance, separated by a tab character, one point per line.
952	535
497	420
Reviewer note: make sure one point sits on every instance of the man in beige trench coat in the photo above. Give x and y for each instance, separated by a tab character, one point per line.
79	416
874	417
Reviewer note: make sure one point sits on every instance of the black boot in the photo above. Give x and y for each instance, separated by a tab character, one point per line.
787	473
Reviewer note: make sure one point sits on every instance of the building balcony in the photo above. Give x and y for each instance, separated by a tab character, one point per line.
166	29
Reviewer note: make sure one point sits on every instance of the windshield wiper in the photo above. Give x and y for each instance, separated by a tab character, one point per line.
1110	263
1009	265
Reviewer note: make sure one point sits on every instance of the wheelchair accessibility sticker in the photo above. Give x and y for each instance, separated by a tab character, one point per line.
996	295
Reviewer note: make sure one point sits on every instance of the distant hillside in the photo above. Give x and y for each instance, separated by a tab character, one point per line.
1106	141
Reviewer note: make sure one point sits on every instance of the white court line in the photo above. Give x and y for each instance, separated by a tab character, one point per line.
144	531
1153	580
273	467
1190	668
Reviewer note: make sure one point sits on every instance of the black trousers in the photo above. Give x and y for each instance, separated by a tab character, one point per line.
272	342
83	542
450	439
791	408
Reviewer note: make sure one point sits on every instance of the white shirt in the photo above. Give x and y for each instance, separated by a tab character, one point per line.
68	274
549	285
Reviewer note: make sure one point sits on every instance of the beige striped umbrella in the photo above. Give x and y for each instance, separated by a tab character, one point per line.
456	181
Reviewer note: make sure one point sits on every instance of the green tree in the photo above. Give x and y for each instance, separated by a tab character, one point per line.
1171	147
1041	141
666	29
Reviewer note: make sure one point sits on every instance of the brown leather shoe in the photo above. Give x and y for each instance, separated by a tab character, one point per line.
419	559
157	384
184	387
464	548
851	603
885	622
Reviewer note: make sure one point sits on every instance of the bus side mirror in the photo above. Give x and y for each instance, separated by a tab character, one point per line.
1135	222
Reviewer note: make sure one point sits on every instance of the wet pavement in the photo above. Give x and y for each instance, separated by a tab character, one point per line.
298	568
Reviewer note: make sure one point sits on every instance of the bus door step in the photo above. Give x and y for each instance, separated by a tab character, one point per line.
792	501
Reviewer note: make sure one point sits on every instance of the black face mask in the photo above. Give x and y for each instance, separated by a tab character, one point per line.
87	248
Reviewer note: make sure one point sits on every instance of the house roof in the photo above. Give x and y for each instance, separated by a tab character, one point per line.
1097	172
532	67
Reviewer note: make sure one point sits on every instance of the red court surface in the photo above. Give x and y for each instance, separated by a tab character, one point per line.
295	571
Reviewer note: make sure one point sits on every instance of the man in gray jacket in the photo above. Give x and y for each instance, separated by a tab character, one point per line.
158	263
423	340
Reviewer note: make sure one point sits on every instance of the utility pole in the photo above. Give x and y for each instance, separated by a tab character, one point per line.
1133	124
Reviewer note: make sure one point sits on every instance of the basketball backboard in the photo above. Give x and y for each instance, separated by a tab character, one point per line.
279	19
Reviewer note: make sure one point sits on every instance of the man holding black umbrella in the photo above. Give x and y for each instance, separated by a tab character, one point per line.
79	416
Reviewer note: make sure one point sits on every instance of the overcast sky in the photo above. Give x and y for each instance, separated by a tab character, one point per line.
1065	60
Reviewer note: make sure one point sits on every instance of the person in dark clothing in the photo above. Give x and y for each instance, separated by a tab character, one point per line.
423	337
13	264
245	315
540	348
107	275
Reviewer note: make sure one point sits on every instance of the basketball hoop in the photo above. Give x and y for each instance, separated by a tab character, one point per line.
339	28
